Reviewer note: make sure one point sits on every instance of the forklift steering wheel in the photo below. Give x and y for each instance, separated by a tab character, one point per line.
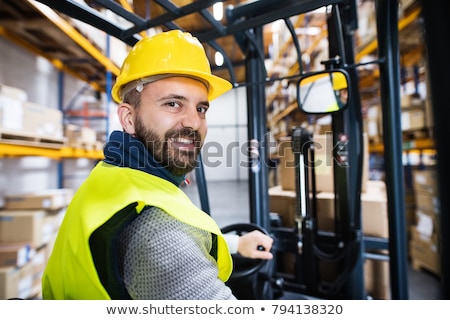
242	266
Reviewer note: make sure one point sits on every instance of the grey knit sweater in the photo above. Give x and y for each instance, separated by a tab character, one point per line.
162	258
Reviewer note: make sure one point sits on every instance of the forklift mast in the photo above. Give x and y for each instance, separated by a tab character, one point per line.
348	245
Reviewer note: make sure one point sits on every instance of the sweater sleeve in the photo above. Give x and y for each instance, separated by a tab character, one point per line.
163	258
232	242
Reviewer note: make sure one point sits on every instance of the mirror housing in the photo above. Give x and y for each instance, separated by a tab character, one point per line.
323	92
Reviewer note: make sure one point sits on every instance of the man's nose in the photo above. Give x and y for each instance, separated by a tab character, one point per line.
191	118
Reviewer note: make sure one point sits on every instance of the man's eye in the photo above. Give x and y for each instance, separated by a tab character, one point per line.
173	104
202	109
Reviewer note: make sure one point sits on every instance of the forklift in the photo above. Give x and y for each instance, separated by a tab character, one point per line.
345	250
328	265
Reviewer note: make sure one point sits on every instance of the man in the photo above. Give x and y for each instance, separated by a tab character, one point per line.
340	88
130	231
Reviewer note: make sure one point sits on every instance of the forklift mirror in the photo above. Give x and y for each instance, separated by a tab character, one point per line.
323	92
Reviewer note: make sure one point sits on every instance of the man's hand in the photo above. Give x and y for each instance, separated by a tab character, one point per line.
255	245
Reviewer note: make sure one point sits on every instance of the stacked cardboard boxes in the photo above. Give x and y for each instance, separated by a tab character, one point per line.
11	108
28	226
425	233
413	112
82	137
323	163
22	118
417	116
283	196
416	119
374	224
43	121
282	199
373	124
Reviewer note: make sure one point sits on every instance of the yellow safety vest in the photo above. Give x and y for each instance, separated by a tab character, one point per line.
70	272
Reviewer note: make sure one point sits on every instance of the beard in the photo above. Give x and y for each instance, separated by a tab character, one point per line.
176	161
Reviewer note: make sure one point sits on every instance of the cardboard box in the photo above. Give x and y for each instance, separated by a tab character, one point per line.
11	114
46	199
323	164
325	211
13	92
15	254
431	241
53	220
43	121
426	180
323	146
23	226
283	202
373	124
428	201
424	256
286	166
427	225
374	210
38	263
413	120
375	223
373	207
377	279
16	282
77	135
411	101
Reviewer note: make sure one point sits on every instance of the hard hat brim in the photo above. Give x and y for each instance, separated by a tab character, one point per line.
216	85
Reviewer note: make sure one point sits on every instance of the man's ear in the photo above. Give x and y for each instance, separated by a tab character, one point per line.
126	115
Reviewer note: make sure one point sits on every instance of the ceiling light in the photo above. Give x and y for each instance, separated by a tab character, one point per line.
308	31
218	59
218	11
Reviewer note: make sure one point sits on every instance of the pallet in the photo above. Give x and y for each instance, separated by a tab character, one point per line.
424	133
97	145
30	139
419	265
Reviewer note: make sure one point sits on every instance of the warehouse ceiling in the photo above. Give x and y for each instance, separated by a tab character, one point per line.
54	35
50	28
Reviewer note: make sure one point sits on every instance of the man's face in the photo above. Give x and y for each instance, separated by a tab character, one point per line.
171	122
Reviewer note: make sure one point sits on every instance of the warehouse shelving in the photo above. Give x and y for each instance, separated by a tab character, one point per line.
416	144
76	43
56	153
409	57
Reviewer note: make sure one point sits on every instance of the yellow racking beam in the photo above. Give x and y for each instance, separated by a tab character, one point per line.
77	37
14	150
403	23
18	150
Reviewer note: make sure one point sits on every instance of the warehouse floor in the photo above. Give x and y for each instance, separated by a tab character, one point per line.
229	203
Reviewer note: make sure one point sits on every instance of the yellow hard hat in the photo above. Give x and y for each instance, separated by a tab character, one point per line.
339	81
172	53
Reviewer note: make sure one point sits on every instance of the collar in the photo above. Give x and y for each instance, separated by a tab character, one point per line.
124	150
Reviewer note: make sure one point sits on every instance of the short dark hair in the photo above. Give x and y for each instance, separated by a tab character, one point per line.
133	97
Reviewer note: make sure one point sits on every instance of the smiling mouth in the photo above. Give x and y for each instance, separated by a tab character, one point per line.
183	143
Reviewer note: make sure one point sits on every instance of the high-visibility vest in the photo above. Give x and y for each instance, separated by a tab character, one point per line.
71	271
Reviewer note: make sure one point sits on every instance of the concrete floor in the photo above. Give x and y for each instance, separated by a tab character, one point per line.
229	203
